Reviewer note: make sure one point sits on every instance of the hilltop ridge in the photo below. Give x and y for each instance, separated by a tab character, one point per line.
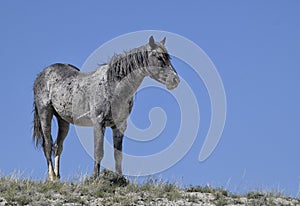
110	189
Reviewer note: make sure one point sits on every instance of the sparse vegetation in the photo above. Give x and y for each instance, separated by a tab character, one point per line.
111	189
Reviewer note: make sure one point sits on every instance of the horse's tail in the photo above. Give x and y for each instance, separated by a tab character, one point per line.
37	134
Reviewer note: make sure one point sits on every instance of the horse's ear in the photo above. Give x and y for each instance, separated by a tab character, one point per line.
152	42
163	41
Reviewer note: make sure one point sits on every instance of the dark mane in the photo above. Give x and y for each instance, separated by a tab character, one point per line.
121	65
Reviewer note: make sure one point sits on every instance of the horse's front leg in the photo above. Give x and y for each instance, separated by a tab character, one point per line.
98	147
118	133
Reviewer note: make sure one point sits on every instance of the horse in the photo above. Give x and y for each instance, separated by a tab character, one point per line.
99	99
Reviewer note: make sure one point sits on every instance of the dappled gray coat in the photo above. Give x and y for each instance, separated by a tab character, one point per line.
101	98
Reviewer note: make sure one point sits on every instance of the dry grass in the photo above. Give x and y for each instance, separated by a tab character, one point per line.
110	189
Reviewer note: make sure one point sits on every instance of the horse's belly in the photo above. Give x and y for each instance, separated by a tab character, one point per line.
77	116
83	121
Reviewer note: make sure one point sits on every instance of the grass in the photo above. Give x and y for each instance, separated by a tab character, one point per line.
110	189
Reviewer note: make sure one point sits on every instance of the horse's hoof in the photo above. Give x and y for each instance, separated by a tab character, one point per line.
53	179
93	178
119	180
50	179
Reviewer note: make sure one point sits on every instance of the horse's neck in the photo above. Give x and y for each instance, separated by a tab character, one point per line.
126	88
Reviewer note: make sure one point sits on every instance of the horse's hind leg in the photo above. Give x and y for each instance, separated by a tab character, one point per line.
46	114
63	128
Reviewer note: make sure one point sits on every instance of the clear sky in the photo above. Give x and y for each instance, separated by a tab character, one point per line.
254	45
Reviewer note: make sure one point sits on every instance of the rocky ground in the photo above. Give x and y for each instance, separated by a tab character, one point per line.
112	190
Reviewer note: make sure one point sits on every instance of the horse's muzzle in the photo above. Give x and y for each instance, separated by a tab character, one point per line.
174	83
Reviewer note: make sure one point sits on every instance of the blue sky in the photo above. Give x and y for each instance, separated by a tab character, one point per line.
254	45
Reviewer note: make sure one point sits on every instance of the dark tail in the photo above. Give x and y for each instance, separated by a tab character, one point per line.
37	135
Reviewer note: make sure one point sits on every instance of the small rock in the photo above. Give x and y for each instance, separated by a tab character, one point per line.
3	202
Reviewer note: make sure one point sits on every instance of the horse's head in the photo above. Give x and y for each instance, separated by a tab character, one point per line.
160	67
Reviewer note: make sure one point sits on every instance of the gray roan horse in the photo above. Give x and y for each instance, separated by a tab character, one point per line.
101	98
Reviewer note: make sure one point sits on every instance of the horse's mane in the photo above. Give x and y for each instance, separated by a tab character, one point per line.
121	65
